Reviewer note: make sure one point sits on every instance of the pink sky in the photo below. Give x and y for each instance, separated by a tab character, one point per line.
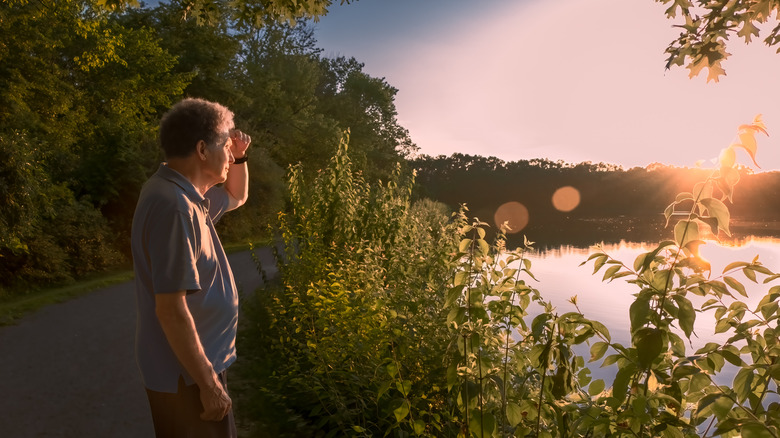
576	80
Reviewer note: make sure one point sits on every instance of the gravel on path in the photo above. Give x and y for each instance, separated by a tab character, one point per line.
69	369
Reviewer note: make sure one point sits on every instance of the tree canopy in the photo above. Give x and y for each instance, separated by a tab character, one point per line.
84	82
707	25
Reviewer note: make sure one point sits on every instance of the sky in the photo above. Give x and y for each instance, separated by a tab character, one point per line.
571	80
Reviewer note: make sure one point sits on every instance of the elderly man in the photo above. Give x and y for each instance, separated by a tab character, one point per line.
186	297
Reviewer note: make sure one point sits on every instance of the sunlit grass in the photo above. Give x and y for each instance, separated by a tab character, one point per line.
13	308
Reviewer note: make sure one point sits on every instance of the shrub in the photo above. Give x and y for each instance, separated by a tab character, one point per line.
390	320
356	325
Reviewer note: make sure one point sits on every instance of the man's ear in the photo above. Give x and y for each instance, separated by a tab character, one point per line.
200	148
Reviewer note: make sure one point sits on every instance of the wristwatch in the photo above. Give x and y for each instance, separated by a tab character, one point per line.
241	160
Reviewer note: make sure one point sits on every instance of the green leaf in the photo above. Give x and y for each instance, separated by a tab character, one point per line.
708	348
610	272
639	262
684	196
711	222
461	277
457	315
677	344
698	382
600	261
620	384
669	211
383	389
732	357
483	246
419	425
735	265
743	384
514	414
464	245
404	387
736	285
755	430
639	312
681	371
596	387
769	309
482	425
722	407
750	273
602	329
597	350
392	369
686	314
402	411
649	345
686	231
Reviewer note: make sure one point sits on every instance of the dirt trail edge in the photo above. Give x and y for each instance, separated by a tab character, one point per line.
69	369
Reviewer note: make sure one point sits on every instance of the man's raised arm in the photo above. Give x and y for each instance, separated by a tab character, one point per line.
237	182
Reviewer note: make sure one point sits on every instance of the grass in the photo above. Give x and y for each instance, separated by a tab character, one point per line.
15	307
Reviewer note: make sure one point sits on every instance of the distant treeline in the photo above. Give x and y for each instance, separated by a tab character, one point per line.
607	192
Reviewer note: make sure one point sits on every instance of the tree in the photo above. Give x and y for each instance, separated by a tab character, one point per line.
206	54
79	96
244	12
708	25
366	106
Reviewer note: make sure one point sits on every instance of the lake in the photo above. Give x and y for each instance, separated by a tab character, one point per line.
560	277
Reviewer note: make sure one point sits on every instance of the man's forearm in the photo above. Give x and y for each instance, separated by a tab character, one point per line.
237	183
179	328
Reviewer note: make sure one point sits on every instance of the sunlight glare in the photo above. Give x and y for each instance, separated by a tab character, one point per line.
566	199
514	213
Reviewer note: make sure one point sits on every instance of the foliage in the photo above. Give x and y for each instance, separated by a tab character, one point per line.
79	95
34	206
349	342
367	335
247	13
707	26
83	83
678	392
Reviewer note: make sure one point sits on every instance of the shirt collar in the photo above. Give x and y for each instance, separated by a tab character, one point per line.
180	180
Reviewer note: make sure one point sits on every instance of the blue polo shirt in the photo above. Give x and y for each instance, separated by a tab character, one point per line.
175	247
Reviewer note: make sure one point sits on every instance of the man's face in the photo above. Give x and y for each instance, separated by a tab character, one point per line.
219	159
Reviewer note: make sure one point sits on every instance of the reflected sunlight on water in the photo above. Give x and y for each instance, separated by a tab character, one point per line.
560	277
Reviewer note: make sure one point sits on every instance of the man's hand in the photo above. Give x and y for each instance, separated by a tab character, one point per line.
216	402
179	328
240	143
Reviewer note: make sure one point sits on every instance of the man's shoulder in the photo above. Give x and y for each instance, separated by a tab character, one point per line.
159	193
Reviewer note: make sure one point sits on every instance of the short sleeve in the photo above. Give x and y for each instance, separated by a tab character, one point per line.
218	202
173	250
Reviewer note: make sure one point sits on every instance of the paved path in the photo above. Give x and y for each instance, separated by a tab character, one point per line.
69	369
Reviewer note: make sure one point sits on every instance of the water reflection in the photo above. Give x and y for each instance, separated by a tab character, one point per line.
560	277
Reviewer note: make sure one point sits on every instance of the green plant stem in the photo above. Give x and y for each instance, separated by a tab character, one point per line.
466	337
734	400
544	377
676	259
467	398
401	377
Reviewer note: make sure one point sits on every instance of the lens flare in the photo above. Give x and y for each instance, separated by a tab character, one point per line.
514	213
566	199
